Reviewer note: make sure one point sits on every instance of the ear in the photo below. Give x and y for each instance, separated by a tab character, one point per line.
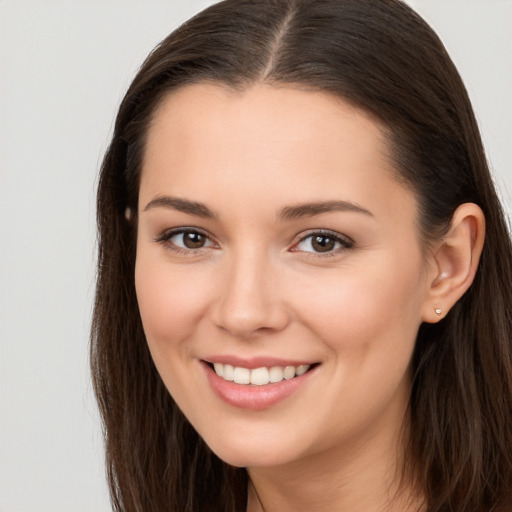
454	262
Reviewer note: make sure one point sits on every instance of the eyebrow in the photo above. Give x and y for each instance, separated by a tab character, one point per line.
181	205
286	214
312	209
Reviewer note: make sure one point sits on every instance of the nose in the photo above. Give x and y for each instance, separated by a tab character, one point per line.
249	299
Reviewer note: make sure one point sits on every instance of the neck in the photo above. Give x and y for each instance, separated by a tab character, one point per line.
363	475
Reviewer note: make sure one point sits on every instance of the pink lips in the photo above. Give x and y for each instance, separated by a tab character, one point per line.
254	397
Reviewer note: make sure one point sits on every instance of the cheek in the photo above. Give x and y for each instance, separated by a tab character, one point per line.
171	301
363	306
369	322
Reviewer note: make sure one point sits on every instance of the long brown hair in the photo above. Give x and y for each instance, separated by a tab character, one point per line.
382	57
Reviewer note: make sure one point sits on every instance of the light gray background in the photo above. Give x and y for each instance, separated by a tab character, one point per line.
64	66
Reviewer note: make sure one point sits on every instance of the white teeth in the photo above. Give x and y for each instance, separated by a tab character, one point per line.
301	370
219	369
227	372
289	372
276	374
259	376
242	375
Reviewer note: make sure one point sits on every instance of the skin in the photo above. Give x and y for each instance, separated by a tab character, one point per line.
258	288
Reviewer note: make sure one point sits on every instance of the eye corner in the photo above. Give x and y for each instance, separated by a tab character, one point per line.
322	243
197	242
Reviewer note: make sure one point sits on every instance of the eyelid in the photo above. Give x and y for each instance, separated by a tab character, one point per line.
168	233
344	240
165	236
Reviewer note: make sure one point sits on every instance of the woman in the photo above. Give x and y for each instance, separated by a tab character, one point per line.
296	309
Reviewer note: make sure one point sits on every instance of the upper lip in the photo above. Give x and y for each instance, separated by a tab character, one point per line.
255	362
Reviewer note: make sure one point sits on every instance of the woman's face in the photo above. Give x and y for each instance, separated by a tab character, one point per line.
273	239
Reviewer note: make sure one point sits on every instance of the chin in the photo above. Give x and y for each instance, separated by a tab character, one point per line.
250	455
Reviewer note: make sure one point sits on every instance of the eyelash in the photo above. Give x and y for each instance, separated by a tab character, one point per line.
165	238
344	241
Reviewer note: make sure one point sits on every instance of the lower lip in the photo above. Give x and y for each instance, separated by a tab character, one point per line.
246	396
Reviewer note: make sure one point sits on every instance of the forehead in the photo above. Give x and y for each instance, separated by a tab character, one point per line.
281	143
273	113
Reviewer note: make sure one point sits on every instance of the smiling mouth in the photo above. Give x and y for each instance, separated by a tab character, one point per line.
259	376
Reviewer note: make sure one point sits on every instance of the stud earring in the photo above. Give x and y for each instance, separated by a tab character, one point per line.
438	311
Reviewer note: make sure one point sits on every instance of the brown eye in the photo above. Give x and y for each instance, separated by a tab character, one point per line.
193	240
185	240
323	243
